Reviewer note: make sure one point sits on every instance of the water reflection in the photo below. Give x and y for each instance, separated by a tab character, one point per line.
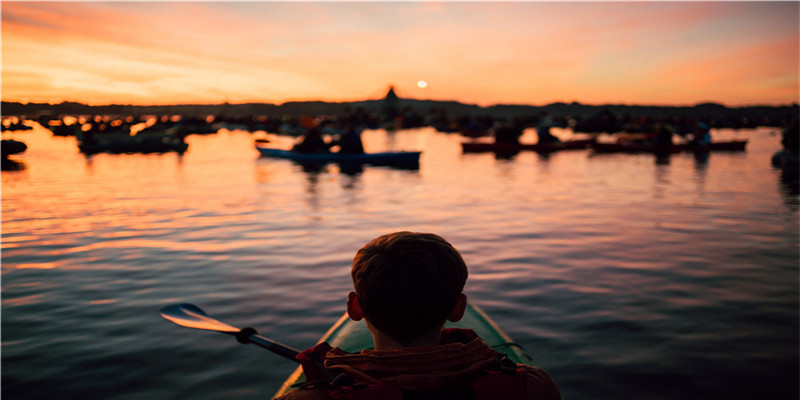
312	181
12	165
351	169
663	158
544	155
506	155
789	187
350	179
312	168
568	252
790	181
701	160
701	169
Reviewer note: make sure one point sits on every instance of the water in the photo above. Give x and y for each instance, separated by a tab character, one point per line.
622	275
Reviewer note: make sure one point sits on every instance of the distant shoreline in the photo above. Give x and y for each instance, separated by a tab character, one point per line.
452	108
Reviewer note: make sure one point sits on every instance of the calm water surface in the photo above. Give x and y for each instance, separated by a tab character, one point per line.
622	275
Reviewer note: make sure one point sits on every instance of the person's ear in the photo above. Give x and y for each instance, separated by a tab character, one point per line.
353	308
458	310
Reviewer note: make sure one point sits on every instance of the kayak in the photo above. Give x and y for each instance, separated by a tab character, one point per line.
733	145
479	147
352	337
399	158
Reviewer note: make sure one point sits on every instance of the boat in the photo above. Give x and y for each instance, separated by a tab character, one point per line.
479	147
10	146
352	337
15	126
124	143
398	159
732	145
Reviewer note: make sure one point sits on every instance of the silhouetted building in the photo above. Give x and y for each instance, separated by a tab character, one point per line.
390	102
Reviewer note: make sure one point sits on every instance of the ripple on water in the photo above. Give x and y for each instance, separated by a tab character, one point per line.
622	277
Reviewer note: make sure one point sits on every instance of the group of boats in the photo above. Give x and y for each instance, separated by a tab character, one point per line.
602	147
164	140
125	143
411	158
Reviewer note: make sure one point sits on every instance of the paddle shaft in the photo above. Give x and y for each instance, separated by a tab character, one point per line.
280	349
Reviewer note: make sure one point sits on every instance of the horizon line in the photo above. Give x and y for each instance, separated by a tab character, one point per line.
573	102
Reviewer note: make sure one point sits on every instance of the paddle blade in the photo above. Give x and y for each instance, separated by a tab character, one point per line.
191	316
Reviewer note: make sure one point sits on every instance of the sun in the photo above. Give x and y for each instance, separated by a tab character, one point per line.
422	84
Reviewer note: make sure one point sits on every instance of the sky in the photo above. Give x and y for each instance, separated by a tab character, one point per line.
485	53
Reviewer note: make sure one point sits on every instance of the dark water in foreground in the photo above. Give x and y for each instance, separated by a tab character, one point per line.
623	276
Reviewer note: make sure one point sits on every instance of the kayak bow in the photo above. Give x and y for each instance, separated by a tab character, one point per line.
352	337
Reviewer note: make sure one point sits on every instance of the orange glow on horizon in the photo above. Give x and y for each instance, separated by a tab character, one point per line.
212	53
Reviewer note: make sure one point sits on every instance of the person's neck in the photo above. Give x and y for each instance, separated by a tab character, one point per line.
384	342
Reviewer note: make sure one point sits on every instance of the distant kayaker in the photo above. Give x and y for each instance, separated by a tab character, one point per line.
312	141
350	141
702	134
664	135
507	133
406	286
543	129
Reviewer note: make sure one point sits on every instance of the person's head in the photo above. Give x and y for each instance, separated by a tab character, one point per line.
408	284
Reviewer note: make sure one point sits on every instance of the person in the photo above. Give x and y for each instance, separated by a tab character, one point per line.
543	130
312	142
702	134
350	141
406	285
507	133
664	135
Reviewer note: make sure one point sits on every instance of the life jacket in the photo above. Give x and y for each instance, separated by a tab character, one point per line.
503	379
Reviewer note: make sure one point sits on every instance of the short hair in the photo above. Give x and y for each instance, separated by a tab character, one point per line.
408	283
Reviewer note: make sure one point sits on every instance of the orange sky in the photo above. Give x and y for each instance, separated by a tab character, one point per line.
735	53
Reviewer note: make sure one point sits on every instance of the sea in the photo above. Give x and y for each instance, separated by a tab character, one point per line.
625	276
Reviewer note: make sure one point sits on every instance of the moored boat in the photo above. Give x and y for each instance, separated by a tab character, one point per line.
732	145
10	146
399	158
352	337
15	126
479	147
123	143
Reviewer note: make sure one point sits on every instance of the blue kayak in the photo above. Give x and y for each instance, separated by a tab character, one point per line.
400	158
352	337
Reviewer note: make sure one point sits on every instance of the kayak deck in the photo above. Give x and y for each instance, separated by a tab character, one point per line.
352	337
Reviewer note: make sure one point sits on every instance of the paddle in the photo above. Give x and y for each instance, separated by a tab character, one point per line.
191	316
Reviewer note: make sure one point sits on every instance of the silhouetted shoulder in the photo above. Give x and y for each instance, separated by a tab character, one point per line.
540	385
